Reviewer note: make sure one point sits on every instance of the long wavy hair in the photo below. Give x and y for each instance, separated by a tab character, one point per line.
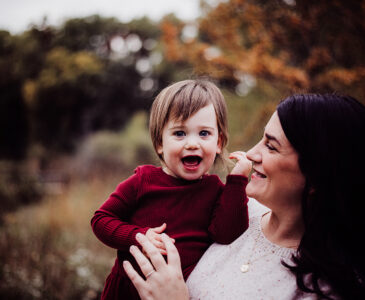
328	132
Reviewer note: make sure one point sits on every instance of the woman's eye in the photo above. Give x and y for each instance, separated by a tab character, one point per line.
179	133
270	147
204	133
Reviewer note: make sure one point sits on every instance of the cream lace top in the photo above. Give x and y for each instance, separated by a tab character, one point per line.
220	273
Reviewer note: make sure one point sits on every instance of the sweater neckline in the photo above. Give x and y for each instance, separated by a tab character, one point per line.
264	243
177	180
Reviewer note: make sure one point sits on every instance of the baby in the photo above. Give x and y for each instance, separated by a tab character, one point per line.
188	126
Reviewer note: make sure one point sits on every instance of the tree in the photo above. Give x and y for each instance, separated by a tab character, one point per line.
308	45
62	83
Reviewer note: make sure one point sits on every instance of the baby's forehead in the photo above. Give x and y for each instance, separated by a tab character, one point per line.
176	121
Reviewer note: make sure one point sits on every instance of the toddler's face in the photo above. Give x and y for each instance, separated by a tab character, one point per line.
189	148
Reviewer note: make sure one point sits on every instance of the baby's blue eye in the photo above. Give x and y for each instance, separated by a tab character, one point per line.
179	133
204	133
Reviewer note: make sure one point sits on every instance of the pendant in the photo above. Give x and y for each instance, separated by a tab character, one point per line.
244	268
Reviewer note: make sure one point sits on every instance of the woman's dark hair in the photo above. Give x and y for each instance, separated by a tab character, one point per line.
328	132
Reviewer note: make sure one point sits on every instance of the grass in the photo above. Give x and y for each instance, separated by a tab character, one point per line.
48	251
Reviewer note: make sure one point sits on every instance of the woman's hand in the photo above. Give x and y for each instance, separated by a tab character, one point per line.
243	165
164	281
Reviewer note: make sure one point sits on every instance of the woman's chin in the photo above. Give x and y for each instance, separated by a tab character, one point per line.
251	191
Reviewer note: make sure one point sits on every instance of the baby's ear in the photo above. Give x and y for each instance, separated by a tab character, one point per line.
219	144
159	150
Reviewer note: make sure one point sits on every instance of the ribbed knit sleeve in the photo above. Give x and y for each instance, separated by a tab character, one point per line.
109	221
230	215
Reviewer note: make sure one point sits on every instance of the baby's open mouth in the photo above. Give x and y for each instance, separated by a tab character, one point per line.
191	161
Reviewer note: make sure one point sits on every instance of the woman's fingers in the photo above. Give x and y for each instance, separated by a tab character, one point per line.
132	274
173	257
152	252
137	280
162	251
142	261
164	281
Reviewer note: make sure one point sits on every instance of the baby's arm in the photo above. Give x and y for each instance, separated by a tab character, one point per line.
230	216
109	222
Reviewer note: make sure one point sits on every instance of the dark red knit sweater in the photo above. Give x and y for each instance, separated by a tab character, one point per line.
197	213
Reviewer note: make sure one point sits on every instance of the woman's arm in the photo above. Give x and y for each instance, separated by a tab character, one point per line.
164	281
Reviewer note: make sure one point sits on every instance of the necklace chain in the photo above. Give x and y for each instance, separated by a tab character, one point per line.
245	267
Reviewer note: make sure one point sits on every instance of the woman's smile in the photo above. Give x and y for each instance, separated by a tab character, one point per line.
276	175
257	175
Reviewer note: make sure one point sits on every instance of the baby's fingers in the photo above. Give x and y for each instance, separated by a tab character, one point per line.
160	229
237	155
243	165
158	244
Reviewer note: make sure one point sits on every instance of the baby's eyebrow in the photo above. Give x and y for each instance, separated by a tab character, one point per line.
176	127
207	127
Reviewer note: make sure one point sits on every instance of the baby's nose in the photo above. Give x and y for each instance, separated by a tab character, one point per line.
191	143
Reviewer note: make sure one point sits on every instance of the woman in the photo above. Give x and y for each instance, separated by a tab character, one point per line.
307	170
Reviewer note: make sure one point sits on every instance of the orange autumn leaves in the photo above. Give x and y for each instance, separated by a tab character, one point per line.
308	45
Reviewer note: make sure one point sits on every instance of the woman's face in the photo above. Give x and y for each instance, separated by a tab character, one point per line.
276	180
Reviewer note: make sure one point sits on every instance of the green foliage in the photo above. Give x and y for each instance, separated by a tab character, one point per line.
247	115
106	152
84	33
62	66
60	95
61	84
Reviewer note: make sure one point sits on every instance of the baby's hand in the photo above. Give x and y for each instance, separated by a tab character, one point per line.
243	165
154	235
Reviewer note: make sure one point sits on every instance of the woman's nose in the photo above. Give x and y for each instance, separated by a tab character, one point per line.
254	154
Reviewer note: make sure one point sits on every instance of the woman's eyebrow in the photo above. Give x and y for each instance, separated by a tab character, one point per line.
272	138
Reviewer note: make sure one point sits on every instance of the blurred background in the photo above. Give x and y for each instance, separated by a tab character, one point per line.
77	79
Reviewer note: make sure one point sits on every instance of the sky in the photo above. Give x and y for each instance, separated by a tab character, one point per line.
17	15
